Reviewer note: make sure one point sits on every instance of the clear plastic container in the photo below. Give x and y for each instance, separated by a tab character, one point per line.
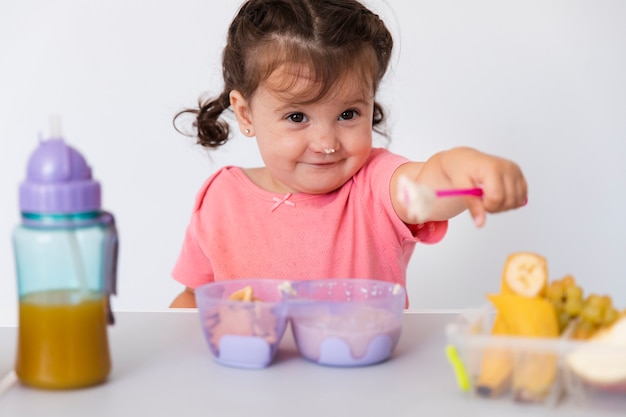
346	322
63	302
243	334
66	260
531	370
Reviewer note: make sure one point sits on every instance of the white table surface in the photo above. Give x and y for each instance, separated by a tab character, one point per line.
162	367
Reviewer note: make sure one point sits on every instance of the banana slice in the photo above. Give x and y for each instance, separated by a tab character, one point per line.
244	294
525	274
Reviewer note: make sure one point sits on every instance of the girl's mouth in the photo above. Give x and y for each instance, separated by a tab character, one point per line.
323	164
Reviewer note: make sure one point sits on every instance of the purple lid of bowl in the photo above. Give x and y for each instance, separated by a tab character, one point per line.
58	180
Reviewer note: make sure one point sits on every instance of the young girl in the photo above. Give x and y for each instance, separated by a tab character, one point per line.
301	77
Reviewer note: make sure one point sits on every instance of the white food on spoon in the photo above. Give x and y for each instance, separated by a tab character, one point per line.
418	199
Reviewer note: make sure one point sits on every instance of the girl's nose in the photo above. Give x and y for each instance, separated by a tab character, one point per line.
326	141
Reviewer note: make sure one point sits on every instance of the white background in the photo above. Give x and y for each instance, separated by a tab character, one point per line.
542	82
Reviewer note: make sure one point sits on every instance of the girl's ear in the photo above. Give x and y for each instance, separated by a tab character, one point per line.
241	108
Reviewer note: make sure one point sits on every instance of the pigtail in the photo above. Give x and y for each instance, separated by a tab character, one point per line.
378	121
379	115
210	130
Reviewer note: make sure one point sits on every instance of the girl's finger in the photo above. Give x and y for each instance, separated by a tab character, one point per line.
477	210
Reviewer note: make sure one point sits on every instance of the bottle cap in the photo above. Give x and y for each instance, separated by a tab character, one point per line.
58	180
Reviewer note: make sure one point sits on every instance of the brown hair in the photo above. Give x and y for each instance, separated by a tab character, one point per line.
329	38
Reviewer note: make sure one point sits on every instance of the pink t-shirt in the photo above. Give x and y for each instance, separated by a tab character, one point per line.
238	230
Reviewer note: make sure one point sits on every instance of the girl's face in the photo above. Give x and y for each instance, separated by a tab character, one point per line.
314	147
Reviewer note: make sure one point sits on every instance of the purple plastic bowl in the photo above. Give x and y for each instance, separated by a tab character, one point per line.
243	334
346	322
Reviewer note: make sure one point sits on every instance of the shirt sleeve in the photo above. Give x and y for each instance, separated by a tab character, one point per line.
429	232
193	267
383	165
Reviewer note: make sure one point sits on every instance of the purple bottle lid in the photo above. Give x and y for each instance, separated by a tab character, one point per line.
58	181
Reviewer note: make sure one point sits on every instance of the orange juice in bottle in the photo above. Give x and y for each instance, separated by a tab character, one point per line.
65	256
62	339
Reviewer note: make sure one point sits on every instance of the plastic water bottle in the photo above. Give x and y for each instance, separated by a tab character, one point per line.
66	260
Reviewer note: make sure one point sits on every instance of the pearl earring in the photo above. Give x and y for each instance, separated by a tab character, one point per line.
247	131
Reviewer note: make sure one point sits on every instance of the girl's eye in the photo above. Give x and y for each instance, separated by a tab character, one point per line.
296	117
348	115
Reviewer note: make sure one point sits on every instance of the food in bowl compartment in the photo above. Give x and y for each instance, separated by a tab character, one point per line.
547	338
357	336
533	373
599	365
522	310
244	320
241	328
346	322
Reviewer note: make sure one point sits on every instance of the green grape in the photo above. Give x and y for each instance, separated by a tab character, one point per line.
555	292
573	306
559	306
594	300
592	314
568	281
606	301
574	292
563	319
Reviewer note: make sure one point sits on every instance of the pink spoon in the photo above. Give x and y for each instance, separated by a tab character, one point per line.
419	200
477	192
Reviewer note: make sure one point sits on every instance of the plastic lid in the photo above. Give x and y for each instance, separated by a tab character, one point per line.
58	180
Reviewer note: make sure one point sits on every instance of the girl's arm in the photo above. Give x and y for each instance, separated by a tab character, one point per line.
185	299
504	186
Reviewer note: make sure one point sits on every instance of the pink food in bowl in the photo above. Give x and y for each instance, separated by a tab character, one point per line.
346	322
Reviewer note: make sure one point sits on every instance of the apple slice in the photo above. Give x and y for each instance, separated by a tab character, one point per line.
601	361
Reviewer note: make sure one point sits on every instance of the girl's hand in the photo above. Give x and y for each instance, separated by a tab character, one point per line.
503	184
